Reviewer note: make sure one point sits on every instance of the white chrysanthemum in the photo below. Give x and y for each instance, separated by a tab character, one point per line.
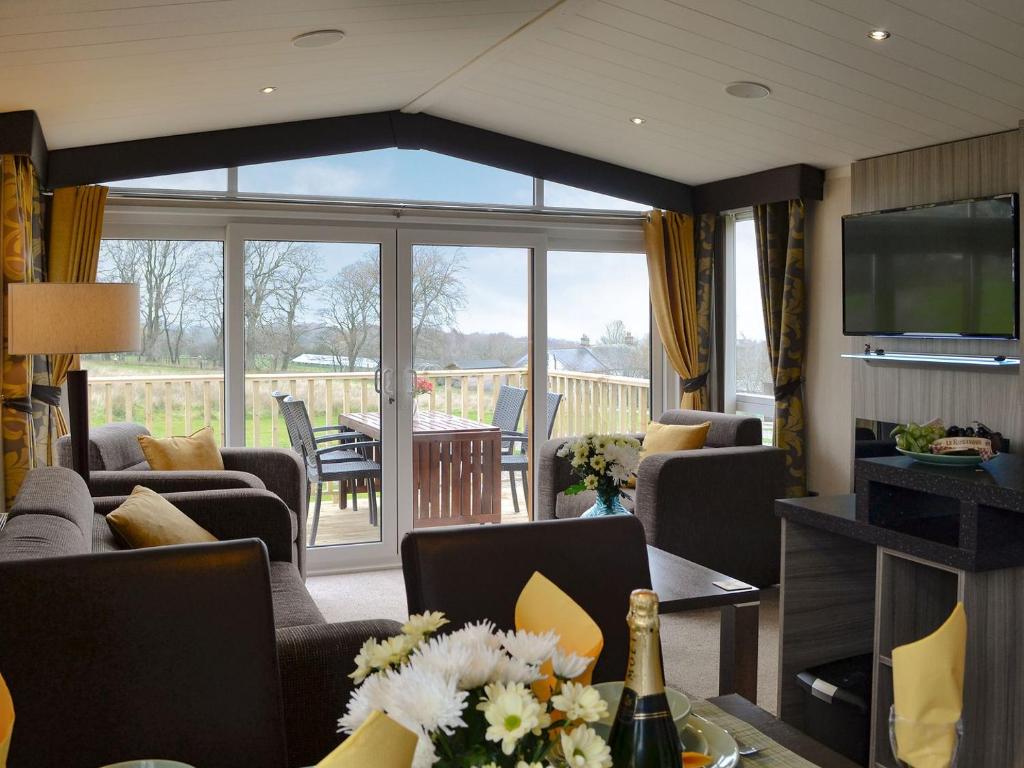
442	656
619	473
590	482
530	647
427	699
511	712
479	667
583	748
568	666
423	624
513	670
482	632
524	764
563	450
373	694
580	702
425	755
624	456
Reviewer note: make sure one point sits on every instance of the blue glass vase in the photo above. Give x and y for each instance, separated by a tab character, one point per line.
605	506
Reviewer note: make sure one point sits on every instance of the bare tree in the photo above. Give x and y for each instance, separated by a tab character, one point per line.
279	277
615	333
437	290
352	299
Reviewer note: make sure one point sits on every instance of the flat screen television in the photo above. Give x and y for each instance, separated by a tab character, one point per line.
944	270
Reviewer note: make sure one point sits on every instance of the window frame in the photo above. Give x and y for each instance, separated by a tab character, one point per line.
761	405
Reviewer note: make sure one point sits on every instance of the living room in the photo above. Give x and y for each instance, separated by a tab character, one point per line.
294	363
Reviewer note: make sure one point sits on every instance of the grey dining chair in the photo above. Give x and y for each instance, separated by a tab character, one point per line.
507	410
516	462
337	457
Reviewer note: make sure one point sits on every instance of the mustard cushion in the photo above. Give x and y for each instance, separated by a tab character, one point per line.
147	519
662	438
197	451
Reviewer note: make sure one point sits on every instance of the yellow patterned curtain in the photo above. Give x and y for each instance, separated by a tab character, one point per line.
681	290
73	254
21	247
780	258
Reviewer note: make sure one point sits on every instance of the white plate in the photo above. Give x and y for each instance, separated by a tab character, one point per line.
721	745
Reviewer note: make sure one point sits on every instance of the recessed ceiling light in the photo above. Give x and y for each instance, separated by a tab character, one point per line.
268	89
637	120
745	90
318	38
879	34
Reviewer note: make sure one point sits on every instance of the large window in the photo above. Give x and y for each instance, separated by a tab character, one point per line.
215	180
175	384
599	341
749	385
563	196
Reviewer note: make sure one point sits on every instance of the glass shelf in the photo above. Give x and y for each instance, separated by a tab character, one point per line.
984	361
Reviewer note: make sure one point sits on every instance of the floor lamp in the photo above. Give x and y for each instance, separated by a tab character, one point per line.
76	319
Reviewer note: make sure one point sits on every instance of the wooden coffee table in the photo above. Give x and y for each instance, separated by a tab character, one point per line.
683	585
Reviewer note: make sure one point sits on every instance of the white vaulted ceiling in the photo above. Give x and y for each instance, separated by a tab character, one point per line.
567	74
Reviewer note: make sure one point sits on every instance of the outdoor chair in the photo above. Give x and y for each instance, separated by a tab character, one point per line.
336	457
507	410
516	462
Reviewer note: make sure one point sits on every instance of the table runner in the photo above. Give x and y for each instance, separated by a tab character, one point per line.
772	754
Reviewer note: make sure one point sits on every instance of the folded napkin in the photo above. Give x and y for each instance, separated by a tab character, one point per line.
543	607
6	721
380	742
928	693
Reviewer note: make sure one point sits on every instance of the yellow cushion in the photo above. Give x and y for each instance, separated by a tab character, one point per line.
147	519
197	451
662	438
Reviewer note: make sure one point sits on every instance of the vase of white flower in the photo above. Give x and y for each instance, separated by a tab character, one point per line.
468	697
602	463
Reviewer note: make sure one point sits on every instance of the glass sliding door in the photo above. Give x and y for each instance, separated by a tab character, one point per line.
317	332
467	320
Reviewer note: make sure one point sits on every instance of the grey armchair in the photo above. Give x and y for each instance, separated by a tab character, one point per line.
117	465
713	506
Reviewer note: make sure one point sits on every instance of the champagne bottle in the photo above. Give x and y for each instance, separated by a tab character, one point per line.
643	734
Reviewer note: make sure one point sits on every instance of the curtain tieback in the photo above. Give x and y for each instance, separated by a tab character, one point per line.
46	394
20	404
696	383
787	390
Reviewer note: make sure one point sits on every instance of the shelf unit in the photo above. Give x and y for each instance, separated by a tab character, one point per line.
979	361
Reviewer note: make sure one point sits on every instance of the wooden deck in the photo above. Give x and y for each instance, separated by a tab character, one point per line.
348	526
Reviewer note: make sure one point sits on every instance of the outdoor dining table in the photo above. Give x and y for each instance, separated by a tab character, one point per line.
456	467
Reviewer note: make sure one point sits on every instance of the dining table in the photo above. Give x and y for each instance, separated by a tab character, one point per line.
456	467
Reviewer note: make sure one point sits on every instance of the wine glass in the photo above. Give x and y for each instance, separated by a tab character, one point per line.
931	731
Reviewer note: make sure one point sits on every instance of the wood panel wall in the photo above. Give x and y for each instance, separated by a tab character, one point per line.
986	165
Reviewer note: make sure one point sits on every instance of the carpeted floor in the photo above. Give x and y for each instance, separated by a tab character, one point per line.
689	640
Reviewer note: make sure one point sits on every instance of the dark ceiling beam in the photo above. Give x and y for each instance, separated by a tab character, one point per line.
356	133
21	134
790	182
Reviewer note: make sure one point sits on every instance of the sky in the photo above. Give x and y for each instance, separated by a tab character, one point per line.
749	318
389	174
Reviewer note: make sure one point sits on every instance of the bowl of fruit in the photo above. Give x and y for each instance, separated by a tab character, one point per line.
934	443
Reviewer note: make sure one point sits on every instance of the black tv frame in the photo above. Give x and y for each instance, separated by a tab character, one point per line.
1014	207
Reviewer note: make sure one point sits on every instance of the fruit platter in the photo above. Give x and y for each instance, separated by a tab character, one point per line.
935	443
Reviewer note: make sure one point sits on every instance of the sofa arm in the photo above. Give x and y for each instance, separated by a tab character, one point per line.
554	475
280	469
315	661
715	506
121	483
240	513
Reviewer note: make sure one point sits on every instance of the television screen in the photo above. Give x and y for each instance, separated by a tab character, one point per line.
936	270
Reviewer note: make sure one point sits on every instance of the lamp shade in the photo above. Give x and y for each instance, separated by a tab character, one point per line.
72	318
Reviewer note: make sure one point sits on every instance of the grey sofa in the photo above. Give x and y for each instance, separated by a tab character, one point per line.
56	531
117	465
714	506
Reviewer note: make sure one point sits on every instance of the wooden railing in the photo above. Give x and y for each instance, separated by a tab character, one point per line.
176	404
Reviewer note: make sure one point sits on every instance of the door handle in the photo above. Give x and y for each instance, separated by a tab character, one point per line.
389	385
376	379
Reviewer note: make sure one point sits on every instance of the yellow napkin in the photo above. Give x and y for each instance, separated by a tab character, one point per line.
6	721
541	607
380	742
928	690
